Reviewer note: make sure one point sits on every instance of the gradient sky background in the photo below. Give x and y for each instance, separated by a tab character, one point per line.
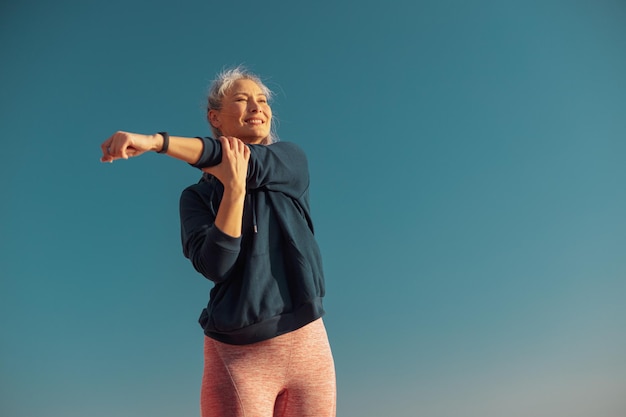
468	188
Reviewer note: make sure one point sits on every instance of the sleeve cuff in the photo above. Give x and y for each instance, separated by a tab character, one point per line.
222	240
211	153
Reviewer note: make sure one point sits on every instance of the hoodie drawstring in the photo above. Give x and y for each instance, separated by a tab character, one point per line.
252	202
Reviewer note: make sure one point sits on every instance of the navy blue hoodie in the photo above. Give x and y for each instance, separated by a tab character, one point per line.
269	281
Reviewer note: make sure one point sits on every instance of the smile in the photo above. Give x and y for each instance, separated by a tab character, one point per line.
254	121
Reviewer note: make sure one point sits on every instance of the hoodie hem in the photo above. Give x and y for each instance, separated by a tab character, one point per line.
270	328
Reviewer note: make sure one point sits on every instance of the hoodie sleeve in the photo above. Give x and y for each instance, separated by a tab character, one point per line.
212	252
281	166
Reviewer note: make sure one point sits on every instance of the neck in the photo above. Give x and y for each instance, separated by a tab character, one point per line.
252	140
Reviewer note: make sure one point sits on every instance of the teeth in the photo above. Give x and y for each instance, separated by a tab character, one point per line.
255	121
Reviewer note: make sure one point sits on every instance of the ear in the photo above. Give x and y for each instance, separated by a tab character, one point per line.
213	116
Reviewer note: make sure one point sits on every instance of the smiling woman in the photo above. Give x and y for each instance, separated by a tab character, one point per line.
244	113
246	226
237	93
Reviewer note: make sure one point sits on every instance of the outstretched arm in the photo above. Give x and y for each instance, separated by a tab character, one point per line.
123	145
278	167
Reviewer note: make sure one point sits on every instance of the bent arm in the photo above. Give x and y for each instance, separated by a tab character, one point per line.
212	252
231	172
215	249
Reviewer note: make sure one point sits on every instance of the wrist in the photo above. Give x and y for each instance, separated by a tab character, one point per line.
156	141
234	194
163	142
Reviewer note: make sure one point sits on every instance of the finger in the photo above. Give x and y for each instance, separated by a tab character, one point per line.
104	146
105	149
226	148
122	143
108	154
241	148
119	145
114	145
225	143
123	149
246	151
232	141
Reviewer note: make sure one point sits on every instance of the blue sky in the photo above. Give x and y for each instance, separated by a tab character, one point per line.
467	163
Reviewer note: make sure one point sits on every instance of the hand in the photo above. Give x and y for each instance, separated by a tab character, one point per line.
233	169
123	145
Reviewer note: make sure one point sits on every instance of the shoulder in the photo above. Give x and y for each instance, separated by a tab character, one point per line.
280	147
286	147
286	151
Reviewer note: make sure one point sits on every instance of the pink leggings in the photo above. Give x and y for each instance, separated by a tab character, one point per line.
292	375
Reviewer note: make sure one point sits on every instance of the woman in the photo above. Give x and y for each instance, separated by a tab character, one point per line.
246	226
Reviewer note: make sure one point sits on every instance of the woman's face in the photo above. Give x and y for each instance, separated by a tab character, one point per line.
245	113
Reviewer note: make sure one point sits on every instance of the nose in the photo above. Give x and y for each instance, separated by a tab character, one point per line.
254	106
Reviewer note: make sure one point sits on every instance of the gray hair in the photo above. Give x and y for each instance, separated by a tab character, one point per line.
220	86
